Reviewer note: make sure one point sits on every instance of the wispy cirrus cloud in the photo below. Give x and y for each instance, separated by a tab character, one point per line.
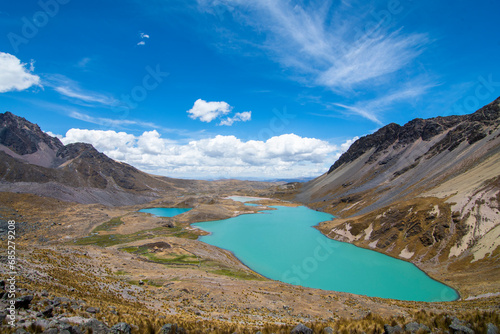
109	121
335	45
72	90
370	109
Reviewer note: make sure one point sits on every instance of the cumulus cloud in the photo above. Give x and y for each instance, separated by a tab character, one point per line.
284	156
208	111
14	75
238	117
143	37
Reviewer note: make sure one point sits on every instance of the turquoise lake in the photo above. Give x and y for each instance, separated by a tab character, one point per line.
165	212
282	245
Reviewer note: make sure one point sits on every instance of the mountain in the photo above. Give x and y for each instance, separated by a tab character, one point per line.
427	191
31	161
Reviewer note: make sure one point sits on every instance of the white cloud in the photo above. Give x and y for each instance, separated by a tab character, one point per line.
86	96
238	117
371	108
103	121
14	75
143	36
284	156
83	62
208	111
71	89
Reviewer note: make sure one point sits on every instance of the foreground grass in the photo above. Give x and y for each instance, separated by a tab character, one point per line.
74	277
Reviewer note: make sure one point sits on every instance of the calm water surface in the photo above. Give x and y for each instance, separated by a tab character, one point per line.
165	212
282	245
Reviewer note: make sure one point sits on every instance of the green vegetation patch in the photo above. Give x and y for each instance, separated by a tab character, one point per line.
181	259
238	274
121	272
106	240
109	225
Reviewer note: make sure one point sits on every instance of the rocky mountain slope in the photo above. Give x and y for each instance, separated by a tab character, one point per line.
428	191
31	161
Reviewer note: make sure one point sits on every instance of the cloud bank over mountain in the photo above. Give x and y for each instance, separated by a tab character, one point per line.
287	155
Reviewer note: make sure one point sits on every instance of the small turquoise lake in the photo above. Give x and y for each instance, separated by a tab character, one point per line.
165	212
282	245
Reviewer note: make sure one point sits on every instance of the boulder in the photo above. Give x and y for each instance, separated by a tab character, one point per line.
21	331
458	327
23	302
414	327
92	310
96	327
47	313
392	329
172	329
301	329
41	323
491	329
327	330
121	328
51	331
61	300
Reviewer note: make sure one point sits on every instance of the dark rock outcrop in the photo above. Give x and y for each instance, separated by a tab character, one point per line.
24	137
459	327
469	128
414	327
392	329
23	302
301	329
121	328
172	329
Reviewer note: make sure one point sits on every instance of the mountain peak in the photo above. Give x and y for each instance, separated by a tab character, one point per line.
23	137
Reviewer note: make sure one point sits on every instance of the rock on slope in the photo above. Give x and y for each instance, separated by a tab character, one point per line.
428	191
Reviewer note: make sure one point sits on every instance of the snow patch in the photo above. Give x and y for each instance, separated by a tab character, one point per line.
346	233
368	232
406	254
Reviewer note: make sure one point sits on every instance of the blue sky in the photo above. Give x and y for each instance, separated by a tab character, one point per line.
246	89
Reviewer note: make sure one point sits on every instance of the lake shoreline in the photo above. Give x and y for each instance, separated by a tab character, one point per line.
249	265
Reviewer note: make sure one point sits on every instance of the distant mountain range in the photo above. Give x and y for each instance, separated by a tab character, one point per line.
31	161
426	191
